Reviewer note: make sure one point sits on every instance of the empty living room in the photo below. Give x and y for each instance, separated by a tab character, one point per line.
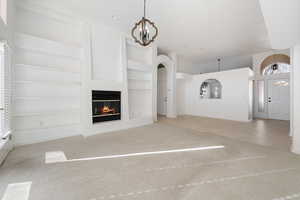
149	100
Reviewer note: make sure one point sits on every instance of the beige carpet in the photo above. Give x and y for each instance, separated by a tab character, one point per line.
240	171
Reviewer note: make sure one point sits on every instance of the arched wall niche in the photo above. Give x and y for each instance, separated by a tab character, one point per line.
273	60
211	89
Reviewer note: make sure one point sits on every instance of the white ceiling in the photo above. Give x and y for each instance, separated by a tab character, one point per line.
283	22
199	30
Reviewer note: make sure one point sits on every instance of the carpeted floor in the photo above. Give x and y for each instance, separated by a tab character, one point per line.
242	170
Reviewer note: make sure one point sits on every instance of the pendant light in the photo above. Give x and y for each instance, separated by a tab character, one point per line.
219	64
144	32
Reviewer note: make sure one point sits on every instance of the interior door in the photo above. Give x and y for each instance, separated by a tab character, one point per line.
279	99
162	98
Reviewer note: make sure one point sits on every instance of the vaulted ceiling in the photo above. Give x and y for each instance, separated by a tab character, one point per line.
200	30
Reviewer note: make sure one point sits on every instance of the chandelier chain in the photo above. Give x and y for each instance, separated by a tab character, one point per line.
144	8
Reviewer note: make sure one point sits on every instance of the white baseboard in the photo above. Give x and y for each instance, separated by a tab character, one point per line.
295	150
173	116
5	147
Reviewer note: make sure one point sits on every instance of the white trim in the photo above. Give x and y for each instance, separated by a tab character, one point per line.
5	147
292	94
295	150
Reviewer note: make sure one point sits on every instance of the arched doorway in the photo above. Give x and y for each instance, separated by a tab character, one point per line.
162	90
165	94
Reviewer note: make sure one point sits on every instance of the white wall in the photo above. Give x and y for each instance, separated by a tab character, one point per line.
228	63
180	96
186	66
235	102
106	53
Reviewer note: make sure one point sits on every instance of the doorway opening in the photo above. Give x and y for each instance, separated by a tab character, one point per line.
164	98
162	90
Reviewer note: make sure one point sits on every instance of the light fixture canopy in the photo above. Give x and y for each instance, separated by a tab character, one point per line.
144	32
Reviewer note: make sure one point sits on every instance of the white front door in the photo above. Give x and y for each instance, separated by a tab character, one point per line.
162	94
279	99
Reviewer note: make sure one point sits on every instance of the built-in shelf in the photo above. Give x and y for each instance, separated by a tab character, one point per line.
106	115
140	80
106	101
45	53
49	98
136	45
140	85
138	66
26	114
68	44
139	76
44	68
49	82
141	90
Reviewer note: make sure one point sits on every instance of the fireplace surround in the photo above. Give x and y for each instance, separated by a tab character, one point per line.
106	106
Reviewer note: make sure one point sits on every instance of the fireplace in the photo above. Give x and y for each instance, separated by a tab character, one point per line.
106	106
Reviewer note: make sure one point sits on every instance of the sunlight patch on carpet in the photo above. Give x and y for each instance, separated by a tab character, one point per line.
55	157
17	191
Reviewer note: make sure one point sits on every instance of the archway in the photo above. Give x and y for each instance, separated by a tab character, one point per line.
162	90
169	66
274	60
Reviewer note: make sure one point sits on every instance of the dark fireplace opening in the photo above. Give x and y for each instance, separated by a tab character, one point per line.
106	106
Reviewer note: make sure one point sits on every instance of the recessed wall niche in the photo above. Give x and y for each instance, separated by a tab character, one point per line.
211	89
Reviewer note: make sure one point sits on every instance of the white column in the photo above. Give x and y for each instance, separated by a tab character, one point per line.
295	99
173	102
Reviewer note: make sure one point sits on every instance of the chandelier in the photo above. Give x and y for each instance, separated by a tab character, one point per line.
144	32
